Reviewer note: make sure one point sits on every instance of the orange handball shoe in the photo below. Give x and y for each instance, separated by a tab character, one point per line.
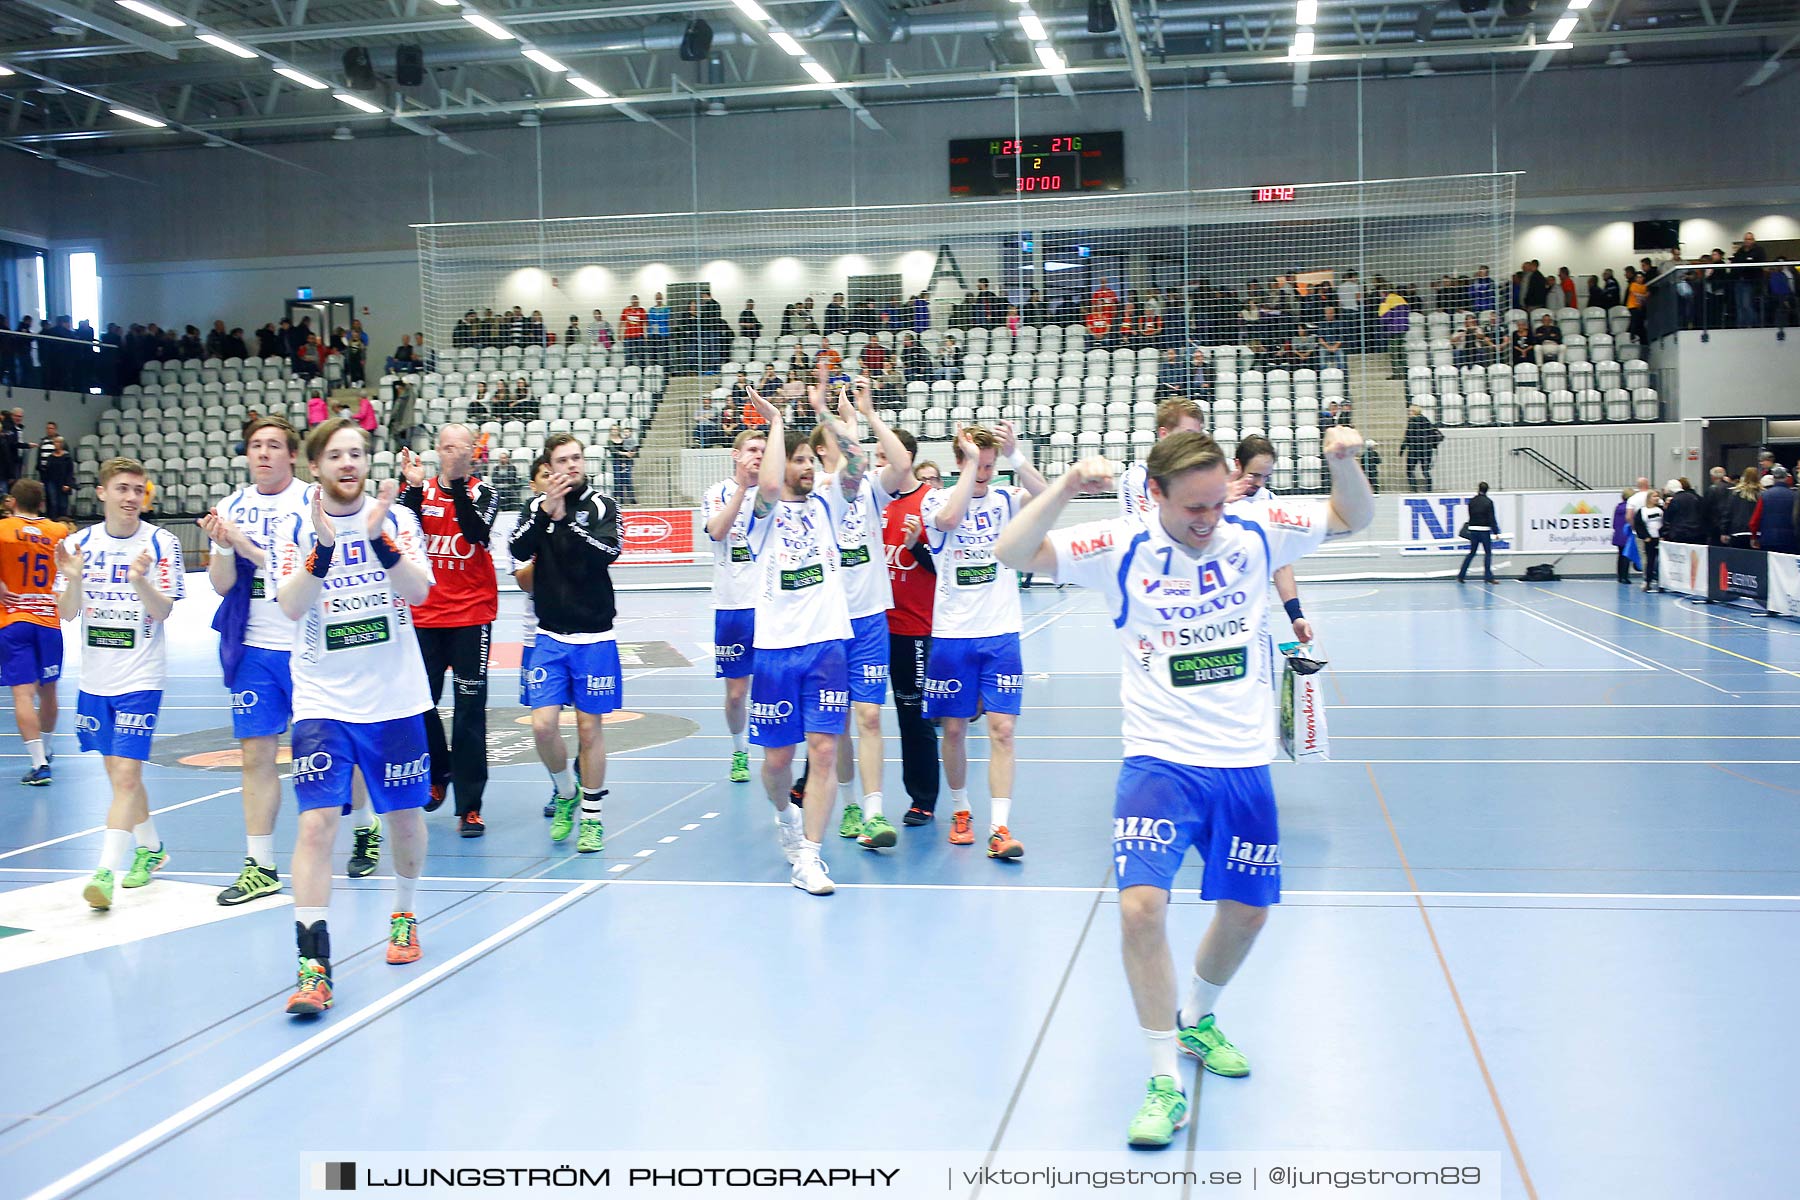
1002	844
962	829
403	938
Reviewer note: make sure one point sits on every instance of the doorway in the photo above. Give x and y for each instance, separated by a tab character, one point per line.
327	313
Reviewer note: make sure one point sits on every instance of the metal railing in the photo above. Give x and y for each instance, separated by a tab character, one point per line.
1534	455
1709	296
57	363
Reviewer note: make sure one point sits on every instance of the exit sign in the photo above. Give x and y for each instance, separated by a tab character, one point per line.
306	293
1269	195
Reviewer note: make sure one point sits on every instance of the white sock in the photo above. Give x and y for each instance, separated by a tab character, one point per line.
1002	810
871	805
1165	1059
261	847
146	834
1201	999
790	816
365	817
115	850
959	799
404	887
45	737
38	756
564	781
308	917
740	740
808	850
847	793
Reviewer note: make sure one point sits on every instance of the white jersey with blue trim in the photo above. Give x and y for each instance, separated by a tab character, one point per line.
1197	673
122	649
861	551
735	574
801	599
263	518
977	594
355	653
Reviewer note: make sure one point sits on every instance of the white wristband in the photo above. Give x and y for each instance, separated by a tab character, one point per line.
1018	460
223	551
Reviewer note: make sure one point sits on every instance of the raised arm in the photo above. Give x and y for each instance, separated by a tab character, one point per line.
899	460
774	459
1024	545
69	559
956	500
718	527
158	604
1029	477
410	580
1352	501
300	590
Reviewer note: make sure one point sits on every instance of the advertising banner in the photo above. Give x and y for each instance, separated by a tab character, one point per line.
1737	574
1682	568
657	535
1784	584
1428	523
1566	522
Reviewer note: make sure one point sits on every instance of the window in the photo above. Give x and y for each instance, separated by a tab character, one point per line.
84	287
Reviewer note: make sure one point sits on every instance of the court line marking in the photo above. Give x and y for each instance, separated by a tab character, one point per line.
1113	760
1700	608
1672	633
1557	623
1385	737
1643	664
1752	779
155	812
104	1164
1462	1013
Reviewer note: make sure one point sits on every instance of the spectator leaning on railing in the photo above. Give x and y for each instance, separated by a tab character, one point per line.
1774	520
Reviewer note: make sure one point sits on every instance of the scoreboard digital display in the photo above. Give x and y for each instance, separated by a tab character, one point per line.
1051	164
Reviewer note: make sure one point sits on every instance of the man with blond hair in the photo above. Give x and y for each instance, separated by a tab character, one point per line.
1172	416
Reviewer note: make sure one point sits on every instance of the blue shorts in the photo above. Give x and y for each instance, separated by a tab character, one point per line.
1226	813
964	670
395	762
734	642
866	659
30	653
117	726
585	674
524	674
797	691
262	703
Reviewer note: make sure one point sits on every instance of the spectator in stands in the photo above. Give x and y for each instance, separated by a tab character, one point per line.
1773	521
1740	509
799	365
497	407
12	448
215	341
1684	513
709	422
804	320
749	324
1519	344
828	358
1546	340
268	342
1781	308
949	361
190	347
480	405
535	333
570	336
990	310
56	471
1637	299
1715	289
1419	445
309	360
1301	350
503	477
1646	524
1171	376
1747	282
915	363
837	317
622	449
1481	292
790	321
601	331
1534	289
1471	345
1596	296
365	415
919	313
632	319
1566	282
1036	312
962	313
463	332
656	331
769	384
403	358
1621	535
237	347
875	358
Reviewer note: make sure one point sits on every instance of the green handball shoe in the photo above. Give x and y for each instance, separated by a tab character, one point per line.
1206	1043
852	824
740	766
253	881
99	891
591	838
143	863
563	821
877	833
1164	1111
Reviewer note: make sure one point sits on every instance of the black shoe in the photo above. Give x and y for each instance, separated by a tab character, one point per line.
438	793
1462	579
1490	580
365	853
918	816
470	824
550	804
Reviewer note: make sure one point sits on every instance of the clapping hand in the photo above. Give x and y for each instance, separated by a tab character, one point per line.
378	511
1091	476
140	568
412	468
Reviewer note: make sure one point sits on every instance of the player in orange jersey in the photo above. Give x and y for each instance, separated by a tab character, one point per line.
31	642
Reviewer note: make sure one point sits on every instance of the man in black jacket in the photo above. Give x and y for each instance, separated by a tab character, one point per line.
1684	514
570	534
1481	529
1718	504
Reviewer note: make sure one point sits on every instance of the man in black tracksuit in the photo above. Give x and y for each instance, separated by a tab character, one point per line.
456	513
570	535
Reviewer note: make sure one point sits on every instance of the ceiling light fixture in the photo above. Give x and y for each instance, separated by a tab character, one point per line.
357	102
1560	31
1034	28
1306	12
787	43
342	134
229	47
545	61
488	27
160	16
1302	46
751	9
1053	62
140	118
304	80
6	70
591	88
817	72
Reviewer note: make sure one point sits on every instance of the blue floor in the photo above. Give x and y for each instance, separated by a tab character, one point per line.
1545	902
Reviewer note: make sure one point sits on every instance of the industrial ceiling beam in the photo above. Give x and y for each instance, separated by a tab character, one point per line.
1134	50
137	40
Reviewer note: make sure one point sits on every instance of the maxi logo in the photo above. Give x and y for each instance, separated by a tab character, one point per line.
399	774
781	710
1144	829
245	700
